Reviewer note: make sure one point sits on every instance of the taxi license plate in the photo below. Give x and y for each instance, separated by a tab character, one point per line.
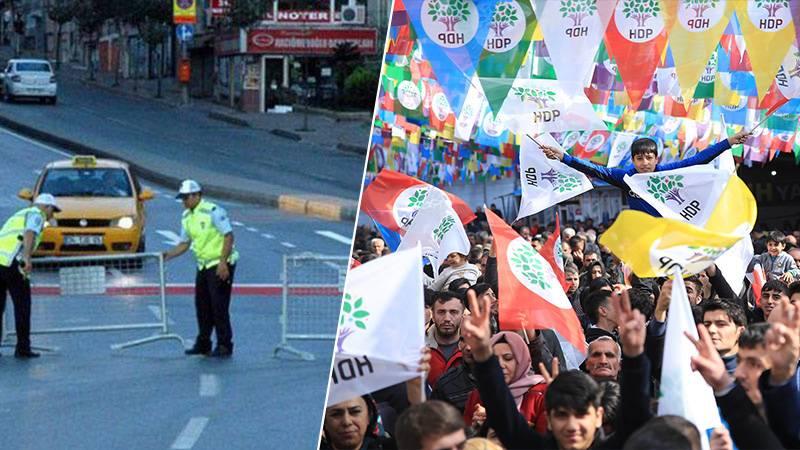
83	240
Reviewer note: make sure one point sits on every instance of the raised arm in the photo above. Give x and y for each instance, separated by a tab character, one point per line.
610	176
709	154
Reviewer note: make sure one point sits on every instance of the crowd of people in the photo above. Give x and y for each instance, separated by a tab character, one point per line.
491	389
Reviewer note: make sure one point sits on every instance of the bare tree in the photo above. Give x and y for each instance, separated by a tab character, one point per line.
61	12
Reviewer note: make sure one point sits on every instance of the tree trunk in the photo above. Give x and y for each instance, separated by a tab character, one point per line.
230	83
92	47
117	64
159	71
58	46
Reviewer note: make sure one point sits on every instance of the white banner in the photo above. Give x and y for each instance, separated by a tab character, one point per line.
689	194
573	33
684	392
437	229
538	106
470	111
546	182
381	329
620	148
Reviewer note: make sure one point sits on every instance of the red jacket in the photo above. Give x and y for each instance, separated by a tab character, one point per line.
439	365
532	407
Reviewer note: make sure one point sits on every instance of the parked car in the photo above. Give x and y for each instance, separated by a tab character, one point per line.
102	207
29	78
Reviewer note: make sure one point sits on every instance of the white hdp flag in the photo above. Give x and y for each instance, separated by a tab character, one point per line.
724	161
684	392
620	148
437	229
687	194
573	33
691	194
546	182
537	106
381	329
470	111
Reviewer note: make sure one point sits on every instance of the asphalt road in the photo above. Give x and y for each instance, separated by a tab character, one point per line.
157	135
88	396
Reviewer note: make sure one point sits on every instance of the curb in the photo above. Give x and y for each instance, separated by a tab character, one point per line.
286	134
222	117
288	203
361	151
336	115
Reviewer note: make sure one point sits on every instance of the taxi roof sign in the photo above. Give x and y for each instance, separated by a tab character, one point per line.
84	160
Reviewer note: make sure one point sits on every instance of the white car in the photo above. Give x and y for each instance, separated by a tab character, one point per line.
31	78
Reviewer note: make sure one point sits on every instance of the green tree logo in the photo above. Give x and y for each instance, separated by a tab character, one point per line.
539	96
353	314
702	253
561	182
449	12
524	260
666	187
772	6
416	200
795	71
444	227
641	10
505	16
700	6
577	10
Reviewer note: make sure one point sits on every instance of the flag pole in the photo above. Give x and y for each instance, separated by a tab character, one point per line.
535	141
762	121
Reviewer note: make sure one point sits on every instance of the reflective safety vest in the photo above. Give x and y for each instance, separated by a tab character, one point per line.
207	241
12	235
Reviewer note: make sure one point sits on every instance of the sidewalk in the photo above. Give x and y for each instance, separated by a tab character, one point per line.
352	128
256	160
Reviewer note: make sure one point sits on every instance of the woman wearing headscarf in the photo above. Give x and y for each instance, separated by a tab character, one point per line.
526	387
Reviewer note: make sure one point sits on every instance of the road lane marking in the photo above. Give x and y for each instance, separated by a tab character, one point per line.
209	385
36	143
335	236
267	235
288	245
157	312
251	229
238	224
190	433
170	236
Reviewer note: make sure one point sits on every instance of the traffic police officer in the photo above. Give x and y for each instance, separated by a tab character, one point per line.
206	229
19	237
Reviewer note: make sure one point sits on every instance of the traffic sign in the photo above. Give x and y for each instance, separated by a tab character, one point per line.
184	32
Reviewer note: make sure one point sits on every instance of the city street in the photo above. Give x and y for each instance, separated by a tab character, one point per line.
88	396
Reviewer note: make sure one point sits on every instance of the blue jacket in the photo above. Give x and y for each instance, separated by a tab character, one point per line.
615	176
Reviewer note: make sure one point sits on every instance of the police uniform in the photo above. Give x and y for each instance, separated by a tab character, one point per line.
12	279
205	227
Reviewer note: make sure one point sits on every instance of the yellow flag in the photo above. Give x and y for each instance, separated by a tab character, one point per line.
696	28
655	246
768	32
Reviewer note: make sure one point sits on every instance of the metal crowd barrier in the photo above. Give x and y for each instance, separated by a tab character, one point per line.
126	277
311	299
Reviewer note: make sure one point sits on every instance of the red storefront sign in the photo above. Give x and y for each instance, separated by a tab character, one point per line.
311	42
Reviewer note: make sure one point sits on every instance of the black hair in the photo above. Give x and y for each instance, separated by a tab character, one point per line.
454	285
640	299
574	241
644	145
794	288
694	279
433	418
775	285
665	433
573	390
734	311
428	295
593	303
592	266
571	267
753	335
481	288
599	283
446	296
611	401
776	236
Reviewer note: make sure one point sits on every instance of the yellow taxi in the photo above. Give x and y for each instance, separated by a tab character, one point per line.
102	207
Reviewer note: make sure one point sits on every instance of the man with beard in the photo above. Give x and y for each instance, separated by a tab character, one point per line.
442	339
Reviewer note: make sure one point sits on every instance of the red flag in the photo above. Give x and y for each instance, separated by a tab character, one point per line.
551	251
757	283
636	40
393	198
530	293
